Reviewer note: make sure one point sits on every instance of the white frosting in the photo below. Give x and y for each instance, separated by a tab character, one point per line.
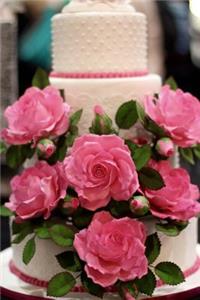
98	5
109	93
99	41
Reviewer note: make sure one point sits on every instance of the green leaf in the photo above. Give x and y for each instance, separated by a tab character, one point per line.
16	155
187	154
141	156
119	208
40	79
152	247
62	235
18	227
82	218
196	151
151	126
29	251
140	112
3	147
69	260
21	236
172	229
169	273
129	286
60	284
126	115
151	179
147	283
172	83
75	118
42	233
5	212
91	287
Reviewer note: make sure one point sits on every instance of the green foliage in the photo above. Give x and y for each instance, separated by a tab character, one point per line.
75	118
70	261
153	246
3	147
147	283
16	155
152	127
171	229
42	233
82	218
196	151
26	230
91	287
169	273
61	235
141	156
5	212
187	154
60	284
29	251
126	115
119	209
140	112
40	79
149	178
172	83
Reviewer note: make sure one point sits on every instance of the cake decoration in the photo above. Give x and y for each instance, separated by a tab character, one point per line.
93	195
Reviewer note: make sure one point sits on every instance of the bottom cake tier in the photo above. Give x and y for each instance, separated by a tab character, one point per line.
43	266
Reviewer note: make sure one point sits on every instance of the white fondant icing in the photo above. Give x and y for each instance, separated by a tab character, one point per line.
109	93
99	42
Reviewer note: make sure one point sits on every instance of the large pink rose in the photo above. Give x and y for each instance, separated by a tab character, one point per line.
112	249
178	113
101	168
37	190
178	199
38	113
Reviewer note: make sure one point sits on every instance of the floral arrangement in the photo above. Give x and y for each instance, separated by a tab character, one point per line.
91	194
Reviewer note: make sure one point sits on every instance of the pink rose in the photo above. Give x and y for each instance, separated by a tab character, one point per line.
37	190
38	113
178	113
165	147
178	199
101	168
113	249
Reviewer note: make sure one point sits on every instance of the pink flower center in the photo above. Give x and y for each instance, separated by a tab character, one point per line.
99	171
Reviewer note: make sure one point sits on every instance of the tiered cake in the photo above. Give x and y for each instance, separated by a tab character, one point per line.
100	58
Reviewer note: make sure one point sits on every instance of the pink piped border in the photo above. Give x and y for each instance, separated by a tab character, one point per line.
80	289
87	75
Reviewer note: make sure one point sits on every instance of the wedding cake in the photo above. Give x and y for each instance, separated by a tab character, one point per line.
100	60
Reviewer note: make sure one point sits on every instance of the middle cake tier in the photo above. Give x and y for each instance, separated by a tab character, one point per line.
109	93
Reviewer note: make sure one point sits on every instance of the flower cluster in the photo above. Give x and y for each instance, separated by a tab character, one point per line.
102	183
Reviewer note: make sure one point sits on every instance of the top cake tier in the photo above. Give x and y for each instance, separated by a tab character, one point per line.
99	36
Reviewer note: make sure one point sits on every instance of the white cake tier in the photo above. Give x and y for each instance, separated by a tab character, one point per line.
180	250
91	37
109	93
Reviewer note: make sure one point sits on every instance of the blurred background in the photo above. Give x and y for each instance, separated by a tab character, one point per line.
25	44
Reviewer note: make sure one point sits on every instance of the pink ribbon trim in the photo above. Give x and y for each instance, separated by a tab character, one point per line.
87	75
80	289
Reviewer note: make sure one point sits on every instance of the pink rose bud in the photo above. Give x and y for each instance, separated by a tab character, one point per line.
72	203
98	110
45	148
139	205
101	124
165	147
